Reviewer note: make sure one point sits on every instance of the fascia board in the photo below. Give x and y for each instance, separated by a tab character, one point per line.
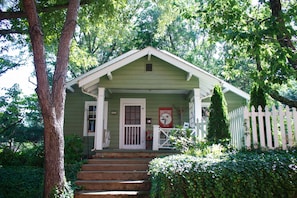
112	67
76	80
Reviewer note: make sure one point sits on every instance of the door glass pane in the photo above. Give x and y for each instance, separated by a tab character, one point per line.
132	114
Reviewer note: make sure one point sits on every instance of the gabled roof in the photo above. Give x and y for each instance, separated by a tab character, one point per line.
206	80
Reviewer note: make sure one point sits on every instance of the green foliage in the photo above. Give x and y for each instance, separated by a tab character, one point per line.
218	125
237	174
30	154
20	117
182	139
73	149
21	181
65	192
258	97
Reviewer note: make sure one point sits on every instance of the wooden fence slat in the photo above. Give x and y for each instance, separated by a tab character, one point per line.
295	123
268	127
254	128
247	128
275	127
289	126
282	128
261	127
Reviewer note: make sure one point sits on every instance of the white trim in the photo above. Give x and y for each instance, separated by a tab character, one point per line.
94	103
99	130
87	104
206	80
132	101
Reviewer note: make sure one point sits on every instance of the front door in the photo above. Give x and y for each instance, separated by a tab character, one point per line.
132	126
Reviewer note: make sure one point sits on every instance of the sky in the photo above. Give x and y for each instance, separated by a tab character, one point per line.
21	76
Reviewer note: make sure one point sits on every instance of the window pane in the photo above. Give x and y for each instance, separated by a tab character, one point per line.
91	118
132	115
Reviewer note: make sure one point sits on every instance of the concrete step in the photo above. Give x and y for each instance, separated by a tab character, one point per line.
114	167
140	185
112	194
112	175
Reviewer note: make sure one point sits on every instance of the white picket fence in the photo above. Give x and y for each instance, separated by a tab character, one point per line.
271	128
236	128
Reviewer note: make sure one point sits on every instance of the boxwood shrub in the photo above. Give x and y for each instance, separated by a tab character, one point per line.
237	174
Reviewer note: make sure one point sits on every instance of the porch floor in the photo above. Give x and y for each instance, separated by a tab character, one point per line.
117	173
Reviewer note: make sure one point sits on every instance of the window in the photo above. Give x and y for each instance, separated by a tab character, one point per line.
90	117
149	67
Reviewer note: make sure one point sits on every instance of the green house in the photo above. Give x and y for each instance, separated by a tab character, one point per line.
119	104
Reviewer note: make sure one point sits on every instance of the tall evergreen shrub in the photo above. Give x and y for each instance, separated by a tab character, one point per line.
218	125
258	97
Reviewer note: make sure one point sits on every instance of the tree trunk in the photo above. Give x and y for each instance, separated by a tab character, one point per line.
52	101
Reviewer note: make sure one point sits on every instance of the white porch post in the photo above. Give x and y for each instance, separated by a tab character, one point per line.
156	136
198	110
98	141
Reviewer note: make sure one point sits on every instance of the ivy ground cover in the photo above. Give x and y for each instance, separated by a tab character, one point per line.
236	174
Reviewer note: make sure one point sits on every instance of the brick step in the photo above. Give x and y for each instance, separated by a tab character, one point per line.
114	167
120	161
112	194
143	185
112	175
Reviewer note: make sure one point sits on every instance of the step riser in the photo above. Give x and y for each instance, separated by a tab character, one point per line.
112	175
115	186
119	161
114	167
101	155
111	196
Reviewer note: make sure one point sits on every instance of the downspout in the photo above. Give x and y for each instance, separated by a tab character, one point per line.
87	93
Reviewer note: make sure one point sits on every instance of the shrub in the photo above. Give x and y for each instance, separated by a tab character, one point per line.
241	174
21	182
30	155
218	125
73	149
258	97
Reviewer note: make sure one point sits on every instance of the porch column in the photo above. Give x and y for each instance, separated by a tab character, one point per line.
98	141
198	111
197	104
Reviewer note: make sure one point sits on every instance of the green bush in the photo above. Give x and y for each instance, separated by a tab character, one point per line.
30	155
238	174
73	149
218	125
21	182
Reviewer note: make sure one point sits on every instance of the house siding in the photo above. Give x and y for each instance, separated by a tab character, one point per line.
162	76
74	113
153	102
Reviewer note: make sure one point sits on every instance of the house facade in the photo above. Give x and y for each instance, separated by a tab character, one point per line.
117	104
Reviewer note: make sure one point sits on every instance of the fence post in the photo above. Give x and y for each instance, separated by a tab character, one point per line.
156	137
247	128
268	127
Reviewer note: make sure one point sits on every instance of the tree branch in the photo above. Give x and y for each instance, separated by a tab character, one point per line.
22	14
283	36
11	31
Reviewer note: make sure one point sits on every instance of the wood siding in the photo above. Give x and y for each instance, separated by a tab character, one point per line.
162	76
153	102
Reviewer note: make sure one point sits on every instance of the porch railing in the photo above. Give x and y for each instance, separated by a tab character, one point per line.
161	136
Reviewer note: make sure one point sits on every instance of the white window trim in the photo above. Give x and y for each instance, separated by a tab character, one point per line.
94	103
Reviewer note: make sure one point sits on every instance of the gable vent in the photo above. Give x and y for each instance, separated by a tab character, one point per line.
149	67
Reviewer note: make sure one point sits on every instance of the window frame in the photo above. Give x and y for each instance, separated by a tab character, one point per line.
86	111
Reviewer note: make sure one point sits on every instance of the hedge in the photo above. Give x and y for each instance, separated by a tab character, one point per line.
21	182
240	174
